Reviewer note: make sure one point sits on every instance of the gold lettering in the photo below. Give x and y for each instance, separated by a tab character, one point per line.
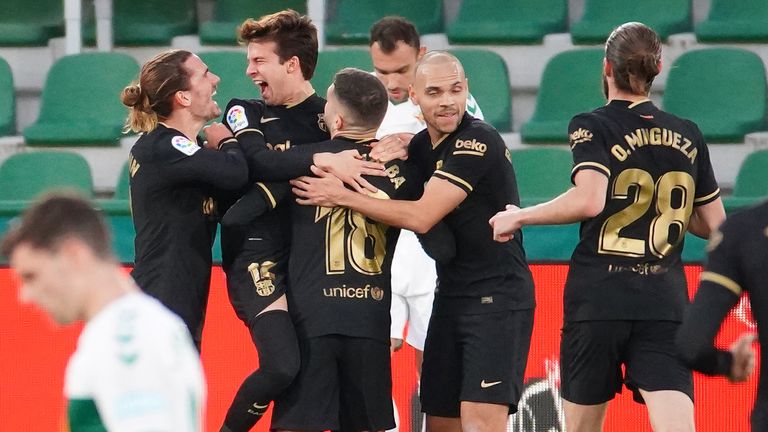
619	152
676	140
655	134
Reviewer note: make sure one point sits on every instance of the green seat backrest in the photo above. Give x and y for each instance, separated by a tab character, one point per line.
602	16
30	22
122	188
330	62
752	179
230	67
24	176
148	22
7	100
542	173
229	14
350	21
525	21
80	104
489	84
722	90
570	85
735	21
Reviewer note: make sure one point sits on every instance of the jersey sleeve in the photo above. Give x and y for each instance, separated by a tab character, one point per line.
473	108
587	146
707	189
261	198
470	157
719	291
186	161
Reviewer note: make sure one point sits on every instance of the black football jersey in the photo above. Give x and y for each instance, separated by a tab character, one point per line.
485	275
171	180
737	263
261	128
627	263
339	267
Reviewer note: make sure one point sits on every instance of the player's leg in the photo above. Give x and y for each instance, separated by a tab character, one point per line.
590	371
398	312
494	357
419	311
275	339
657	376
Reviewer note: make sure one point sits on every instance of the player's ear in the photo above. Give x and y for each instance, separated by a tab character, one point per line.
412	94
293	64
182	98
607	68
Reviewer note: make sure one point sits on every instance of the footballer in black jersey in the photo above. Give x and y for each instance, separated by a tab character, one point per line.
736	265
171	183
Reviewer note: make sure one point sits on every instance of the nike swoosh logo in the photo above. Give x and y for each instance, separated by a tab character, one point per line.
484	384
269	119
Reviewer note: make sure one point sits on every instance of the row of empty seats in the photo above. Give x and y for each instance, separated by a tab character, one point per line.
80	104
156	22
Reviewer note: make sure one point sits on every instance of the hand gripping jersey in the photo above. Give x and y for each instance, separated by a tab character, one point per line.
135	369
485	276
627	264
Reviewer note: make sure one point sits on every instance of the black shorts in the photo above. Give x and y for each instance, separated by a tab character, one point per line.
475	358
344	383
592	354
254	282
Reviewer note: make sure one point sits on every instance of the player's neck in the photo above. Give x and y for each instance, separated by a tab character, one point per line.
615	93
302	92
355	134
183	122
108	283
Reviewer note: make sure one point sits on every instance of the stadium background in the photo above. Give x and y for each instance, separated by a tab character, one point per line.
33	352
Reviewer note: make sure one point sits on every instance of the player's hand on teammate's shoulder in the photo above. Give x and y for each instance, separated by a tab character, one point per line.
324	190
215	133
505	223
391	147
743	358
350	166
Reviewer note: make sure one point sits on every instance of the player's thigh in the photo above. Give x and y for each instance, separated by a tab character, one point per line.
254	284
652	363
494	355
419	311
365	383
441	369
311	402
590	360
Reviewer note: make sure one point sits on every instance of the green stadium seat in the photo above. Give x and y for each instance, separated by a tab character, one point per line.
351	20
148	22
751	182
542	173
569	85
489	84
80	104
7	100
119	204
525	21
230	67
721	89
24	176
30	22
229	14
602	16
330	62
735	21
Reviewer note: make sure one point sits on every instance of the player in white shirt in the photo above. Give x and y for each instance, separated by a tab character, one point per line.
135	368
395	50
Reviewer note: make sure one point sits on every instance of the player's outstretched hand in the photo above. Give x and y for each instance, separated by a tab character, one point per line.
325	190
349	166
505	223
391	147
743	358
215	133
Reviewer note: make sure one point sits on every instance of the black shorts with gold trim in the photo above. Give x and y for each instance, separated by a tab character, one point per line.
254	281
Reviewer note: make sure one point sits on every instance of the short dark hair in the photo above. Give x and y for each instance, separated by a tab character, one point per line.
56	217
362	94
634	51
391	29
293	33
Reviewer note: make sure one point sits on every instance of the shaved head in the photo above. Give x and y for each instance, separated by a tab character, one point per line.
439	59
440	89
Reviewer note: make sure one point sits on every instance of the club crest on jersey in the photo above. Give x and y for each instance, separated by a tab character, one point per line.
184	145
236	118
263	278
321	123
579	136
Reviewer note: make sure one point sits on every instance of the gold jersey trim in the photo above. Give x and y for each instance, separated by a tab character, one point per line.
723	281
242	131
269	194
601	167
634	104
455	178
707	197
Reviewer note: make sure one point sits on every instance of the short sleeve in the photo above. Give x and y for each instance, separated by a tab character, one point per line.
707	189
470	156
588	146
